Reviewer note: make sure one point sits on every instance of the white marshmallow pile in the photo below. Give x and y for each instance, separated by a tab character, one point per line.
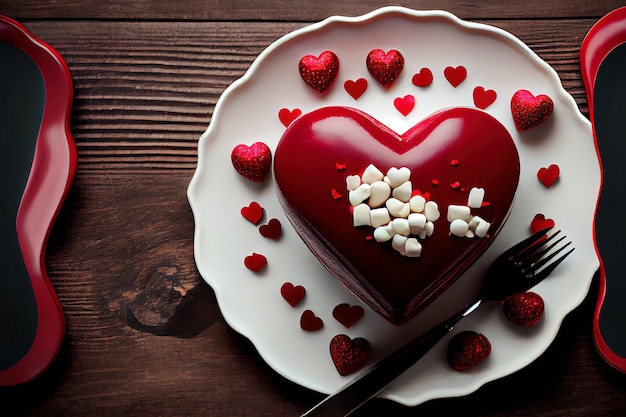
462	222
386	203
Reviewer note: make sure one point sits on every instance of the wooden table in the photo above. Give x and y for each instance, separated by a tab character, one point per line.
144	334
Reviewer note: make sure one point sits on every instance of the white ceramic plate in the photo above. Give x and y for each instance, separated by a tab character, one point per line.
248	112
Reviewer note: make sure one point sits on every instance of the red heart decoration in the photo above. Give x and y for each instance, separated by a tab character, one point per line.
404	104
287	116
467	349
348	315
255	262
483	98
385	67
271	230
355	88
539	222
319	72
383	279
349	355
253	212
455	75
293	294
529	111
310	322
253	162
423	78
547	176
524	309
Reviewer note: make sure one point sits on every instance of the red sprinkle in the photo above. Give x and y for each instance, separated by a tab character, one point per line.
454	162
340	167
435	182
336	195
455	185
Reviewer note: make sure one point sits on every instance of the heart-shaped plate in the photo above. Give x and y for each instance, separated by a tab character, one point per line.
258	107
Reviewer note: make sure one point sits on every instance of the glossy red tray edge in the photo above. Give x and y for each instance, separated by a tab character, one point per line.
52	172
608	33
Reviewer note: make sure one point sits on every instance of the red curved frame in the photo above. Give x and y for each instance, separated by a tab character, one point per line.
608	33
52	172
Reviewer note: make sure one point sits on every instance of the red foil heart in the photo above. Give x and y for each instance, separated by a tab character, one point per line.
319	72
349	355
385	67
253	162
395	287
529	111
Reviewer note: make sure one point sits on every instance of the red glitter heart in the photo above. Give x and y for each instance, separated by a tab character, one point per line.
349	355
293	294
255	262
523	309
319	72
348	315
271	230
529	111
287	116
404	104
253	162
310	322
483	98
548	176
455	75
331	134
253	212
355	88
423	78
385	67
539	222
466	349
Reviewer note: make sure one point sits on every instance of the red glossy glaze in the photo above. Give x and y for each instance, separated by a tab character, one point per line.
52	171
396	287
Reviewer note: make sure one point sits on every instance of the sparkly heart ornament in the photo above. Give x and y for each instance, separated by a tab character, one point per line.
349	355
523	309
467	349
529	111
253	162
385	67
319	72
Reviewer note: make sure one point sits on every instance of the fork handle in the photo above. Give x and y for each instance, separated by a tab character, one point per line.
359	391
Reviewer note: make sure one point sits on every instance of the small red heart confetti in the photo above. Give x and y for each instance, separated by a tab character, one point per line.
340	167
454	162
404	104
355	88
539	222
523	309
349	355
293	294
423	78
455	75
348	315
455	185
319	72
287	116
483	98
271	230
253	162
255	262
335	194
385	67
547	176
529	111
466	349
253	212
310	322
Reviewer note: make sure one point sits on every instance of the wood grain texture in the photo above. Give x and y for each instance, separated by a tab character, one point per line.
145	334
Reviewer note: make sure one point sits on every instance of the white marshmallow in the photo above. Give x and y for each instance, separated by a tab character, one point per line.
360	194
398	242
361	215
459	212
403	191
398	176
380	192
371	174
459	227
431	210
416	222
417	203
379	217
352	182
427	230
476	197
383	234
398	208
401	226
482	228
413	248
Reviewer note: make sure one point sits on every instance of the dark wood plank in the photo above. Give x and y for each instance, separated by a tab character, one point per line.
290	10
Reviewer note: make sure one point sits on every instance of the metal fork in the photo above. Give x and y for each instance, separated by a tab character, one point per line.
516	270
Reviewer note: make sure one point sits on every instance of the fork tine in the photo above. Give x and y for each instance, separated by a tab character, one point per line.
537	250
522	246
539	276
548	258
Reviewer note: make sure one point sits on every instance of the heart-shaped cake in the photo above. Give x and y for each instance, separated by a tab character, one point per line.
448	154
